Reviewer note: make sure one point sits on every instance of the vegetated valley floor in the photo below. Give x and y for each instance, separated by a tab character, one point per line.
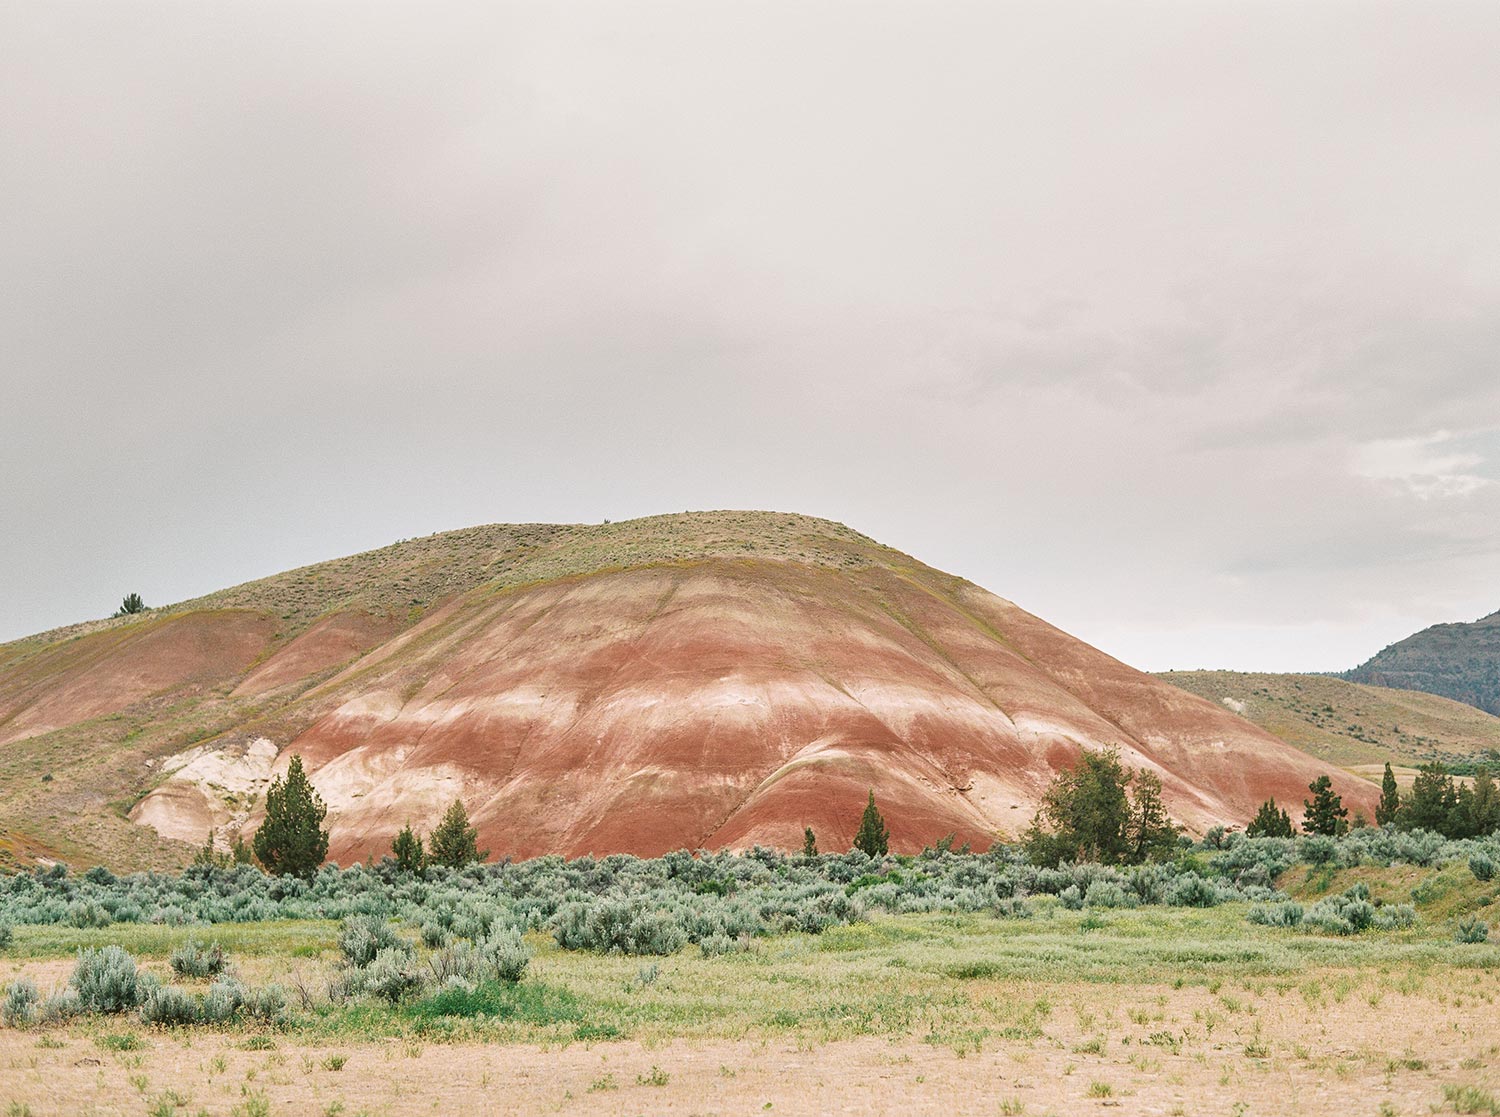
1149	1011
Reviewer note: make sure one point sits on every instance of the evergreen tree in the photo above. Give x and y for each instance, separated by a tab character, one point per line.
455	843
1389	808
239	852
208	855
873	838
1152	833
1326	814
1485	804
1085	815
291	841
131	605
809	842
1270	822
407	847
1433	801
1477	812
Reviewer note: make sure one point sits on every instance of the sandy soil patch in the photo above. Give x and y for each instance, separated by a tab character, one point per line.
1258	1049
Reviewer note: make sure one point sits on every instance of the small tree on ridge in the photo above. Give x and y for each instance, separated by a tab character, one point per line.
1270	822
809	842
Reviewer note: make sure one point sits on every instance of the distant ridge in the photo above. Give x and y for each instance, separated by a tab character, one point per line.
1457	661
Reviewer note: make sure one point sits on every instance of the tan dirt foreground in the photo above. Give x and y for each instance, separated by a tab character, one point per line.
1253	1049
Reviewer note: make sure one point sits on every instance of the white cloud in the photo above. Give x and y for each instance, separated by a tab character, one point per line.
1424	465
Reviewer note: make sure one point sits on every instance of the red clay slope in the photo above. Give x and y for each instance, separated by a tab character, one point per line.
103	672
727	703
640	688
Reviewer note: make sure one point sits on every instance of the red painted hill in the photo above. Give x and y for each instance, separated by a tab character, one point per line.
703	680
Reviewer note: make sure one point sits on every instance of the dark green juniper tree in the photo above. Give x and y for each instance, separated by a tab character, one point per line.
407	848
455	843
809	842
131	605
1389	808
1151	833
1478	809
1085	814
1326	814
291	841
1270	822
1432	803
873	838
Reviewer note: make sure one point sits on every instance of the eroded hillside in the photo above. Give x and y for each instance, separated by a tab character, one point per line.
711	679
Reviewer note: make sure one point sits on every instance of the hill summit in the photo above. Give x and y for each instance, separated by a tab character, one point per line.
715	679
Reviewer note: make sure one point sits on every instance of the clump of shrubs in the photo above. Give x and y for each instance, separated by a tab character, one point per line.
193	959
1471	930
392	973
106	980
22	1003
1348	913
363	937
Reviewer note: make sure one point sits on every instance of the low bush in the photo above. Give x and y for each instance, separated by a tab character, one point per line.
22	1003
391	975
106	980
505	956
193	959
1471	930
363	937
1287	914
169	1005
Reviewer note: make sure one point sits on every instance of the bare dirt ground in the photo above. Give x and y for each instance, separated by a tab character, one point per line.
1322	1047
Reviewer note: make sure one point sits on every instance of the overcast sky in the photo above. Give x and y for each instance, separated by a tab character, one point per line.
1177	324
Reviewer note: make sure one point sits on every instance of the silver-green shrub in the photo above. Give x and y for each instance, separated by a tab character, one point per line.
222	1001
1471	930
169	1005
1288	914
22	1003
363	937
505	955
193	959
106	980
391	975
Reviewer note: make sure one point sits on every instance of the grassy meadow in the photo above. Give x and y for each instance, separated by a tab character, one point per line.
1040	1005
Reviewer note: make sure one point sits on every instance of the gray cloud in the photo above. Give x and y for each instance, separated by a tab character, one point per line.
1174	323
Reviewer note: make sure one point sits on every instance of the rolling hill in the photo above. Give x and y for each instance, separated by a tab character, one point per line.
695	680
1351	725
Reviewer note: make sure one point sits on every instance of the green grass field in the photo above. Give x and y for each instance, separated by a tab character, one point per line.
1151	1010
